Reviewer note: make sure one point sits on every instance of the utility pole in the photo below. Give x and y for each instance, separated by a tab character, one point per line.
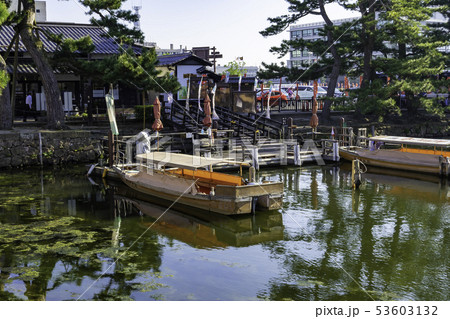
215	55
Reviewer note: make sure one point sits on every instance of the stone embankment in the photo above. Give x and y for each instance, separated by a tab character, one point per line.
36	147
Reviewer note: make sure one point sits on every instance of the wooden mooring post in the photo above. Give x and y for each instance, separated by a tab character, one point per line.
356	174
110	148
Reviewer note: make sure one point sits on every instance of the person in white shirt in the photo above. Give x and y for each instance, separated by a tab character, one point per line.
28	107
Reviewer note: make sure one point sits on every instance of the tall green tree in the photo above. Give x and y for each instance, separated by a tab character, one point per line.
110	15
136	69
332	55
412	60
30	35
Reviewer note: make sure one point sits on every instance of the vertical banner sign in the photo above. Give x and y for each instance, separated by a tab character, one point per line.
214	114
111	113
188	92
268	102
200	93
240	80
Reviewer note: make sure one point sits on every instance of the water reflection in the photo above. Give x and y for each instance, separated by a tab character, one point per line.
387	240
202	229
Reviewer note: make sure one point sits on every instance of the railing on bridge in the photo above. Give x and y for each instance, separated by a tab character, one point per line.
293	105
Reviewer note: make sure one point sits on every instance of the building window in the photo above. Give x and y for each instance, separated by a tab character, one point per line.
296	64
296	34
305	53
316	32
307	33
296	53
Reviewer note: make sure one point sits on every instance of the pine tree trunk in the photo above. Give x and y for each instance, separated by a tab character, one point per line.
326	111
55	112
368	41
6	116
368	34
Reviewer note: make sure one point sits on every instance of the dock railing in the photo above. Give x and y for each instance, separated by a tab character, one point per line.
346	136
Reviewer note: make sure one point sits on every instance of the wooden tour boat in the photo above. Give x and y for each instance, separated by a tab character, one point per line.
422	155
190	181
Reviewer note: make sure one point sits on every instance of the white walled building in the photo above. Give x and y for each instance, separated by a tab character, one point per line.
41	10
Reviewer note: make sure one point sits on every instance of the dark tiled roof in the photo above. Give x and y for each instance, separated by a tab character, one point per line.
103	44
22	68
173	59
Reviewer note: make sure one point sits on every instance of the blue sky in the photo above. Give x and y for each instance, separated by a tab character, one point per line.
231	25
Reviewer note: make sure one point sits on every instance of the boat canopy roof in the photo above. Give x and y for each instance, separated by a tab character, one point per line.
411	140
183	160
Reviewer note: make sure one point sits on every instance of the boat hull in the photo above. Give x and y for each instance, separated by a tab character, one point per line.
227	200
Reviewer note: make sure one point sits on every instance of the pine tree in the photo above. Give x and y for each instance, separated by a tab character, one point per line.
412	60
29	34
333	55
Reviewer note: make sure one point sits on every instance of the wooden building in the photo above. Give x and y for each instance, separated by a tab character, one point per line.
76	92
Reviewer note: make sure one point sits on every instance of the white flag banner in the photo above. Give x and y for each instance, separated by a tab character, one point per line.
188	92
268	102
200	93
214	114
111	110
240	80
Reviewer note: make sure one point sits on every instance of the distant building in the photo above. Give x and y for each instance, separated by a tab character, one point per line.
181	65
310	32
160	51
41	9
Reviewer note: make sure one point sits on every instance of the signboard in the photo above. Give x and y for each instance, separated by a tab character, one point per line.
244	102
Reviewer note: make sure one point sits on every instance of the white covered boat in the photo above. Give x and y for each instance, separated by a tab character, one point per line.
421	155
190	181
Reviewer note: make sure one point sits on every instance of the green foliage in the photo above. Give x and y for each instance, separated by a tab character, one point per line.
409	48
3	74
3	12
376	100
109	15
139	111
4	78
235	67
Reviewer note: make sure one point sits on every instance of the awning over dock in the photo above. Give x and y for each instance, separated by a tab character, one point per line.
183	160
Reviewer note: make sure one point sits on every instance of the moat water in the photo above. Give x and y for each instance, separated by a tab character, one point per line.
65	237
